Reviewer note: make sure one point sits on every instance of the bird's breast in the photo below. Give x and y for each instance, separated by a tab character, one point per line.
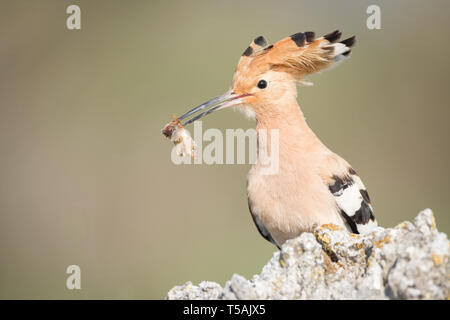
291	201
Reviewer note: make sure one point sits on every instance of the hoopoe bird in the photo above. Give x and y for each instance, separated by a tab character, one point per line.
313	185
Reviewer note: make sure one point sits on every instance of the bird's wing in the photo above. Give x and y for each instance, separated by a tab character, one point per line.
260	226
353	201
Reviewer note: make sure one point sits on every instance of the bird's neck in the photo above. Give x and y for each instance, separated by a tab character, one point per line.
290	122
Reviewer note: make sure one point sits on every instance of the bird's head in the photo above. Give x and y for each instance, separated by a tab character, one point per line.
266	76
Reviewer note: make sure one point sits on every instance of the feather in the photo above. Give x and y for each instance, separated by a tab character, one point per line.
353	202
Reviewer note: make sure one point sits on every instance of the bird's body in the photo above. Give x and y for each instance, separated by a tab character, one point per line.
312	186
298	197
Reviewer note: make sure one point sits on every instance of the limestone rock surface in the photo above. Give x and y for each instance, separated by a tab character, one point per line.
409	261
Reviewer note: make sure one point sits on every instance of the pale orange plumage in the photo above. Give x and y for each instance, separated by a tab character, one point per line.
313	185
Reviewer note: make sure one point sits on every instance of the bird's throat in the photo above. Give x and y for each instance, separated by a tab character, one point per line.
289	121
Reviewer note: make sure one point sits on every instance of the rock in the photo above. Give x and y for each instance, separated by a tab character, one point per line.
409	261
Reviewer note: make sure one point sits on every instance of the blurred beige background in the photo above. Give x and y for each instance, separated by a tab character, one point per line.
86	176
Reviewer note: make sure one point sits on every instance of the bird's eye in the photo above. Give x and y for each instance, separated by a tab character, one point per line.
262	84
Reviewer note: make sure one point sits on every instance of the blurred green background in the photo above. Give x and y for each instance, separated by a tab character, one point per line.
86	176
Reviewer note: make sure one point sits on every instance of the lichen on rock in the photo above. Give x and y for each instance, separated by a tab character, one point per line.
409	261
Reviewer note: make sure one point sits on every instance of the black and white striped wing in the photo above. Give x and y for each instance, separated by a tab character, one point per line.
354	202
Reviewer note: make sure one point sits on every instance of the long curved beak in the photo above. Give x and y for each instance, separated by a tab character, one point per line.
225	100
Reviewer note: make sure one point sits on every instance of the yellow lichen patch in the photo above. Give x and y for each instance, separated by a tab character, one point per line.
277	285
433	223
368	264
328	264
380	243
354	235
322	237
437	260
331	227
283	258
402	225
359	245
316	273
373	256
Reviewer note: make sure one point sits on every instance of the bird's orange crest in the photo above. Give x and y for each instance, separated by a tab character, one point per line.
266	76
297	56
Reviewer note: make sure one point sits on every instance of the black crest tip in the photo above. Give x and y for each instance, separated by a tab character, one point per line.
310	36
299	39
333	36
248	52
350	42
260	41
